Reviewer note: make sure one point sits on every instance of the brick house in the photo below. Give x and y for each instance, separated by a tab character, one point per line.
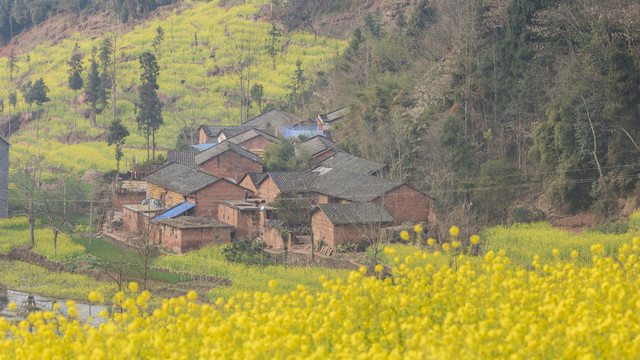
253	140
356	223
325	121
174	184
4	177
345	161
129	192
273	183
218	133
250	182
272	120
247	217
185	233
319	148
228	160
135	218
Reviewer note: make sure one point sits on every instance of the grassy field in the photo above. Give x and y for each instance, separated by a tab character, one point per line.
192	94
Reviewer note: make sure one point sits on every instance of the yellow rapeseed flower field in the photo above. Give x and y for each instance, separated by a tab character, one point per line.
560	310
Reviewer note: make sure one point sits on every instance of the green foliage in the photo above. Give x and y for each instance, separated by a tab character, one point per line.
245	251
280	156
497	187
522	214
460	155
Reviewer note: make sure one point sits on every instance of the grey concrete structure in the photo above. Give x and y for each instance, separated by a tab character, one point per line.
4	177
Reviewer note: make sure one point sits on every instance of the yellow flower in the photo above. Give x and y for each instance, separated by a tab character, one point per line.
574	254
379	268
404	235
95	296
12	306
474	239
417	228
431	241
133	286
56	306
555	252
362	270
455	244
454	230
192	295
445	247
272	284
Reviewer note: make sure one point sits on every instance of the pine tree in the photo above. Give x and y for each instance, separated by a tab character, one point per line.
92	90
149	107
75	77
273	43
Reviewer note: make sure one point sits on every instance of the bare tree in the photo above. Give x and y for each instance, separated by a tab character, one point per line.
56	209
27	181
146	249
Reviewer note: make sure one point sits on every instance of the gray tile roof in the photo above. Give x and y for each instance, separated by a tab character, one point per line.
350	186
317	145
181	179
256	177
4	140
334	115
222	148
229	130
275	119
301	181
182	157
250	134
346	161
357	213
192	222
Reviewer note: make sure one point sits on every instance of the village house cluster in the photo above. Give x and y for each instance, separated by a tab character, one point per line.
217	191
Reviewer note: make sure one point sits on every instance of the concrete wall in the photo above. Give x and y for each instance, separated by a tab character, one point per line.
405	203
4	179
230	165
271	237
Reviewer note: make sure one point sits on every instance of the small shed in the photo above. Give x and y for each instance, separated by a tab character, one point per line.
185	233
247	217
356	223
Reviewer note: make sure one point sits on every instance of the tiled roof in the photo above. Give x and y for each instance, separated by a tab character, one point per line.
334	115
356	213
250	134
256	177
346	161
350	186
229	130
180	179
301	181
275	119
182	157
192	222
222	148
318	145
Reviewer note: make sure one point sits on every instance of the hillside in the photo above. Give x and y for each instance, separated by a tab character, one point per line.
197	83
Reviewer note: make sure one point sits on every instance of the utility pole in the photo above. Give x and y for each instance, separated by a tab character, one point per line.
90	223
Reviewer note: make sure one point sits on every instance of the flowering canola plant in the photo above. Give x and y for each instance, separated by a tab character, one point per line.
555	310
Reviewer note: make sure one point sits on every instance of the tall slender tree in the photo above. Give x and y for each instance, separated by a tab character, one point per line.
75	78
116	136
92	89
149	107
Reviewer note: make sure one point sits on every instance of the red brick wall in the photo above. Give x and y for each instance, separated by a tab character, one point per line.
271	237
324	156
243	222
183	240
322	229
268	190
207	199
405	203
230	165
128	198
258	142
129	221
248	184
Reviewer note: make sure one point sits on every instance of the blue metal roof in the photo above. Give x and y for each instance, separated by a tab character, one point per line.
203	147
174	211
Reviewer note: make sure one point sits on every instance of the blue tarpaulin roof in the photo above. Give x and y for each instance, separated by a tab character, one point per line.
203	147
295	131
174	211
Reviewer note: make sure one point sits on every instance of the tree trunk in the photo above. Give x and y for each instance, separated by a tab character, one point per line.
153	132
55	241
